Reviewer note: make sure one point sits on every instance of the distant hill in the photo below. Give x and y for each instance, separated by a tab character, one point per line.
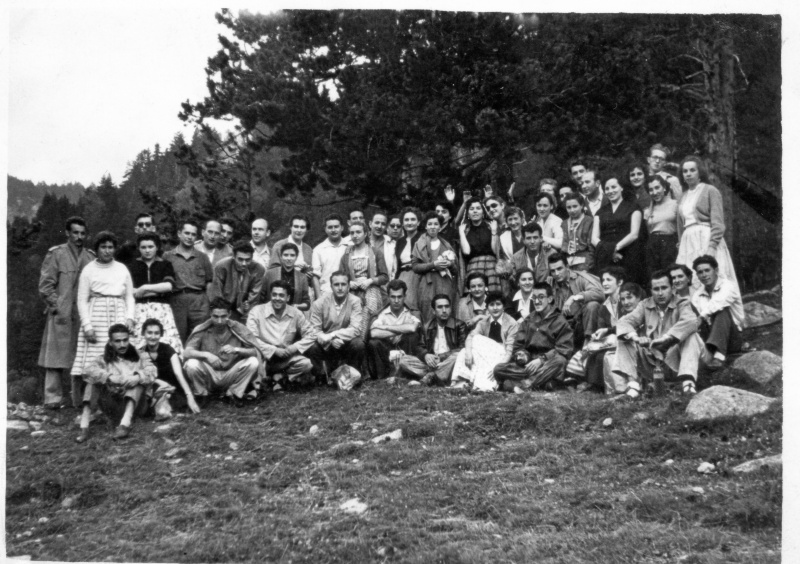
25	197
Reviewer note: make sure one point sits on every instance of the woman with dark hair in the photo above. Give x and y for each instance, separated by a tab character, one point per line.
521	305
577	243
616	233
636	179
661	219
630	294
480	244
552	225
701	221
511	241
105	298
153	280
403	249
434	260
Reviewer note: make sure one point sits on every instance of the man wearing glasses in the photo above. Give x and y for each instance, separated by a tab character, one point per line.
127	252
656	161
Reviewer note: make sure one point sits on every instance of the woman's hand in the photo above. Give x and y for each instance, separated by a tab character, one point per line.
462	229
131	324
511	191
139	292
493	226
192	403
617	256
90	336
488	191
450	194
468	360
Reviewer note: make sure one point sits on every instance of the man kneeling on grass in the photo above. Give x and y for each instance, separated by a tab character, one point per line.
440	341
222	356
124	376
542	346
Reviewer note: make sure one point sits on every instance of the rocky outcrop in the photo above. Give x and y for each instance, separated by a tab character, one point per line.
761	367
722	401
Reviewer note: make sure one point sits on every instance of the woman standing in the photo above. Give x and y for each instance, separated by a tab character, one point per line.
403	250
480	244
153	280
615	233
511	241
434	260
551	224
701	221
637	179
577	242
105	298
367	269
661	218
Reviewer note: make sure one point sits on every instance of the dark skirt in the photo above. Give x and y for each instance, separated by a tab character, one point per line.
662	250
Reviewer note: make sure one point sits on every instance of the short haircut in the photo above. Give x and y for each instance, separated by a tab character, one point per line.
152	322
544	286
333	217
143	214
299	217
205	225
577	162
431	215
190	223
550	181
550	198
289	246
475	275
340	273
384	213
532	227
513	210
634	290
397	284
616	272
74	220
659	274
105	237
522	271
354	210
219	303
243	247
446	205
281	284
495	296
573	196
556	257
660	147
397	217
705	259
682	267
228	221
149	237
118	328
440	297
594	172
410	209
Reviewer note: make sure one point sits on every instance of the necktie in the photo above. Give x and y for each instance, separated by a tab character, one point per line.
494	332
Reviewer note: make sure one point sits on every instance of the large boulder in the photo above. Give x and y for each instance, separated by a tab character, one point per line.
760	366
753	465
721	401
757	314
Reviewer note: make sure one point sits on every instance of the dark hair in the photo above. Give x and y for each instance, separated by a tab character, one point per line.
149	237
333	217
634	289
440	297
340	273
110	354
243	247
219	303
473	275
104	237
396	216
496	198
151	322
228	221
118	328
531	227
686	270
446	205
410	209
574	196
494	296
522	271
76	220
397	284
300	218
379	211
661	180
281	284
475	201
544	286
354	210
705	259
634	166
616	272
659	274
701	170
188	222
549	197
577	162
143	214
556	257
431	215
291	247
513	210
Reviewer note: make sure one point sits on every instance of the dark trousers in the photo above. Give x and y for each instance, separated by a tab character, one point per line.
378	355
351	353
189	311
510	375
661	251
585	322
721	335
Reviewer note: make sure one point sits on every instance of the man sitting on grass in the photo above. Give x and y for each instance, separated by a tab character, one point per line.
541	347
579	296
393	331
440	340
124	376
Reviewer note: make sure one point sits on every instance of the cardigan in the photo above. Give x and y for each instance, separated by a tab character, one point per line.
707	210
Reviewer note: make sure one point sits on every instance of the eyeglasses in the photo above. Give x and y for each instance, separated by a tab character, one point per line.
144	225
539	298
493	206
395	225
659	159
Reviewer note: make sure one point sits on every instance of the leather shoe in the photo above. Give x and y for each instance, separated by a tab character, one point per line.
122	432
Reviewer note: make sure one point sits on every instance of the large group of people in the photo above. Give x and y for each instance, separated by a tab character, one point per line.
608	283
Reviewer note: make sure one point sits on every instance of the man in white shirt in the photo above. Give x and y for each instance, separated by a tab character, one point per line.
591	189
393	330
326	257
259	232
656	161
720	312
379	240
355	215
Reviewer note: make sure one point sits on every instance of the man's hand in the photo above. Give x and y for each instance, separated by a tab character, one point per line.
432	361
227	349
323	339
214	361
468	360
281	353
662	343
532	366
449	194
337	342
90	336
599	334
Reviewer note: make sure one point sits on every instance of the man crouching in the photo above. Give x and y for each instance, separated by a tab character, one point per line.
124	375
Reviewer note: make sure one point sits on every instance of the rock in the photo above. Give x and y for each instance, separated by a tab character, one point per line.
391	380
35	425
174	452
706	468
641	416
753	465
723	401
233	446
69	501
23	414
165	428
549	481
15	425
757	314
353	506
38	434
395	435
698	490
608	422
761	366
669	462
314	430
43	519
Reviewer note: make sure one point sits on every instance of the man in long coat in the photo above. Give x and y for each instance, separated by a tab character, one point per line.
58	287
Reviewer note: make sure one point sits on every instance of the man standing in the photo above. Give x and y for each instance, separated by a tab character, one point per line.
287	334
238	280
226	234
193	278
720	311
655	162
578	296
298	229
670	338
58	287
380	241
128	252
592	190
355	215
394	329
209	245
532	255
296	281
541	348
326	256
440	341
259	232
576	170
221	355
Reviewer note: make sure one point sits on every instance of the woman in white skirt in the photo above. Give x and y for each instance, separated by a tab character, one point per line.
105	298
701	221
153	280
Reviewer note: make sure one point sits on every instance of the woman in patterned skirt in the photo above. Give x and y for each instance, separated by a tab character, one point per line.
480	244
434	260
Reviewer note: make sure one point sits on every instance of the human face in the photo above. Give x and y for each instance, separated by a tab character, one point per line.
610	285
395	229
340	286
299	228
259	231
661	290
333	229
577	173
410	222
226	234
514	223
495	309
356	216
691	173
613	190
706	275
656	160
526	282
441	309
475	212
656	191
548	189
279	297
589	185
543	208
444	213
147	249
533	242
242	260
432	228
495	209
679	280
397	300
541	301
563	192
105	252
143	225
76	234
477	289
628	301
120	342
636	177
152	335
187	235
288	258
219	317
574	209
357	234
559	271
378	225
211	234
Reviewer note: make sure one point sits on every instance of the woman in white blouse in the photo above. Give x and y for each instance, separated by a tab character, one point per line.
551	224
